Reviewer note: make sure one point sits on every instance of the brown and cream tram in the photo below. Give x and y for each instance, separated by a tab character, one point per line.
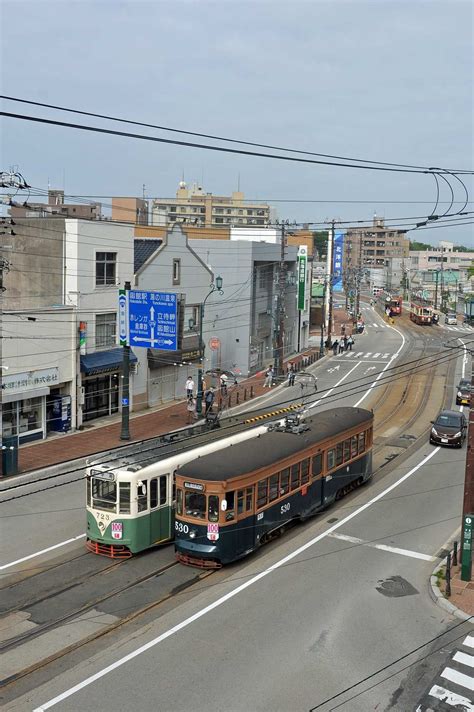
421	312
229	503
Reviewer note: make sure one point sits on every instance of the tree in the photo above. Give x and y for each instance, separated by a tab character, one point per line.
470	270
320	242
418	246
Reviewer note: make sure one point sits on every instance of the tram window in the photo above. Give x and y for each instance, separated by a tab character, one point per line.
347	450
104	494
331	459
88	490
240	502
317	465
305	471
230	511
284	481
124	498
361	442
273	489
339	453
195	504
163	479
153	493
248	504
213	508
179	501
262	493
295	476
174	491
354	446
142	496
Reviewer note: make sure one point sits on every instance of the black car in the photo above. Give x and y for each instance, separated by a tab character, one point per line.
449	428
463	393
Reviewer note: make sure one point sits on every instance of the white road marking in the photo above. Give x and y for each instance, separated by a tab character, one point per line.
384	547
469	641
451	698
459	678
335	386
383	369
464	658
377	355
223	599
369	353
385	355
43	551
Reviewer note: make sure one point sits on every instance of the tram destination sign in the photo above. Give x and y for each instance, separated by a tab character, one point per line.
194	486
148	319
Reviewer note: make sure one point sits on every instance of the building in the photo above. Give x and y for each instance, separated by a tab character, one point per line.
371	247
132	210
195	207
57	207
446	255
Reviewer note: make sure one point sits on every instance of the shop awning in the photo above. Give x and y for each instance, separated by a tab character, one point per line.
33	393
104	361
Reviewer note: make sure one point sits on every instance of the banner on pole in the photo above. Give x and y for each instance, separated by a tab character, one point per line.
302	263
338	248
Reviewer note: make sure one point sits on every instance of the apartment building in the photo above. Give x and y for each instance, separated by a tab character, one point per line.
371	247
194	206
56	207
132	210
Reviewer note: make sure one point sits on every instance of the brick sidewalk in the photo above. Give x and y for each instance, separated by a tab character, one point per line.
462	592
98	438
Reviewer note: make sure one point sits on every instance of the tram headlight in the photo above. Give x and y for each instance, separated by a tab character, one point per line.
192	534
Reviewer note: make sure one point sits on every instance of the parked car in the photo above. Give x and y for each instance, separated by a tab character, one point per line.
449	428
450	318
463	393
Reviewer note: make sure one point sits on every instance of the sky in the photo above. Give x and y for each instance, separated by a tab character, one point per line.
386	81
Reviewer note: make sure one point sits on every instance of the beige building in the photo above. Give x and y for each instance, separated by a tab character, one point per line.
132	210
373	246
57	207
195	207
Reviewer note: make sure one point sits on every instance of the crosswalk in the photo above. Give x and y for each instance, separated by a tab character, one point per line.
364	355
460	327
454	686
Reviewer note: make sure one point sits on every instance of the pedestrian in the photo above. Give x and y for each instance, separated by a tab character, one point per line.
343	329
350	343
341	346
223	382
191	408
291	375
189	387
335	346
269	377
209	400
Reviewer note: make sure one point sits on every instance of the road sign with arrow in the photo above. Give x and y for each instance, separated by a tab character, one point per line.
152	319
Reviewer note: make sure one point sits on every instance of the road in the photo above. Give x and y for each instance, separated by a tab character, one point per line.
338	600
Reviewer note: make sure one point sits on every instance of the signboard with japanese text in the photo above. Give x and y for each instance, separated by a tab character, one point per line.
302	261
466	553
148	319
24	382
117	530
337	254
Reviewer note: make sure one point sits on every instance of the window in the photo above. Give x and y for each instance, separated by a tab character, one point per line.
230	511
331	459
124	498
195	504
104	494
163	479
273	488
213	508
361	442
105	268
105	329
154	500
142	496
182	210
347	450
249	499
179	501
317	465
176	271
172	208
305	471
339	453
240	502
284	481
262	493
219	220
219	211
295	476
249	212
353	445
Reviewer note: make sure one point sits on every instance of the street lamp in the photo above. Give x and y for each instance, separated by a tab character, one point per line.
215	287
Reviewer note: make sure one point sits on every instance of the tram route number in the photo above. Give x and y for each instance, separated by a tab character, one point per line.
181	528
285	508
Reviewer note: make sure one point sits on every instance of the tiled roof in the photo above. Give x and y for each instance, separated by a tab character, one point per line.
143	249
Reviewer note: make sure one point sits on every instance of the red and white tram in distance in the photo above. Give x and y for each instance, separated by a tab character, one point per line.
421	312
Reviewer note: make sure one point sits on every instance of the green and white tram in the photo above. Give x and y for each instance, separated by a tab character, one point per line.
131	501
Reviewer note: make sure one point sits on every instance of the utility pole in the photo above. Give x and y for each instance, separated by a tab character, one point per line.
468	503
280	307
125	431
330	279
358	278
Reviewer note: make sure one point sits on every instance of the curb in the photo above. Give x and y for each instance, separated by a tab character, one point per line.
436	595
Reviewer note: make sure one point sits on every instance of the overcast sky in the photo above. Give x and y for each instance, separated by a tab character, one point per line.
388	81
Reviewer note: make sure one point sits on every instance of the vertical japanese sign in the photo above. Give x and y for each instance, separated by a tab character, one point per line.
338	248
123	318
466	554
82	336
302	263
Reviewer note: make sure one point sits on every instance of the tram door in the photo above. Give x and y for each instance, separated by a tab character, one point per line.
160	510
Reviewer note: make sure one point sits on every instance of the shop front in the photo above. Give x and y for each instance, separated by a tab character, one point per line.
101	377
26	399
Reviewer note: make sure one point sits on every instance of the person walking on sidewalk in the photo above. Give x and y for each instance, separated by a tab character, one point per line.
291	375
209	400
350	343
223	382
189	388
269	377
341	346
335	346
191	408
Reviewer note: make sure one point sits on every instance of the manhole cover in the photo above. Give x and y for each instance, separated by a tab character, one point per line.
396	587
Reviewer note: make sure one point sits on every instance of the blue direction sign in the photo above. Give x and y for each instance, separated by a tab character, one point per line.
152	320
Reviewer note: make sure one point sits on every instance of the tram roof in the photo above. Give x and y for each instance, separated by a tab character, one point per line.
255	454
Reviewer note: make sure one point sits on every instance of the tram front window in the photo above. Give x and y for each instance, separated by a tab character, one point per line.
195	505
213	508
104	494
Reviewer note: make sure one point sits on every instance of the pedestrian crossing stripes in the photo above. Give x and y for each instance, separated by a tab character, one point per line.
453	690
460	327
363	355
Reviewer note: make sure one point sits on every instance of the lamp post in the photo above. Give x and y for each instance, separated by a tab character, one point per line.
215	287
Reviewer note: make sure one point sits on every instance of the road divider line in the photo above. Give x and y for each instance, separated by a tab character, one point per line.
43	551
384	547
383	369
228	596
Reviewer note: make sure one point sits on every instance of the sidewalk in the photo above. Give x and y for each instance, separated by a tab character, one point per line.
99	437
461	601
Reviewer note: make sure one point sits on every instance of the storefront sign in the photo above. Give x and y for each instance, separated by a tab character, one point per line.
24	382
82	336
302	259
